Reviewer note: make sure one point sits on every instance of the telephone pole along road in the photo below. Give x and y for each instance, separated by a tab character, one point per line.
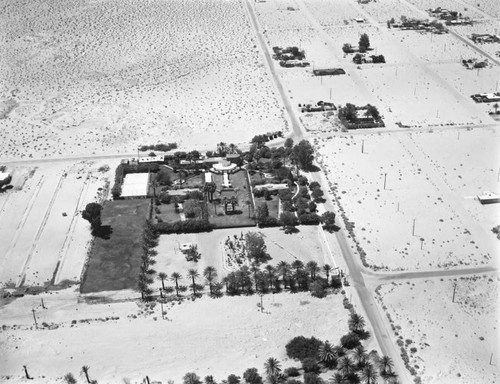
365	297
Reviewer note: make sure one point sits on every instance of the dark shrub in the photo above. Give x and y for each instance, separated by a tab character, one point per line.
350	341
310	365
291	372
301	348
312	378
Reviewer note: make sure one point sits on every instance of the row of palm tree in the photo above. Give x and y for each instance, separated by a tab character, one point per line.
246	280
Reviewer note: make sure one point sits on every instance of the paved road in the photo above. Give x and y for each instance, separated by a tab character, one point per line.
429	274
298	131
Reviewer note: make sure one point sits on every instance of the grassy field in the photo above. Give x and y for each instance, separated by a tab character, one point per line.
114	262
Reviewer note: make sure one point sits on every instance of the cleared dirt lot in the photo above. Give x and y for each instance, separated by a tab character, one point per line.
42	225
447	219
438	328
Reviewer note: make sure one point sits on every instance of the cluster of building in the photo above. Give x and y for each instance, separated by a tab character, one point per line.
450	17
320	106
418	25
474	63
484	38
290	57
486	97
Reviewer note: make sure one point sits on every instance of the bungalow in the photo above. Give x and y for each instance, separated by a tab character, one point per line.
328	72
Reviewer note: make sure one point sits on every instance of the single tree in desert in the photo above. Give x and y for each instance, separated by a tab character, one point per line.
162	276
69	378
193	273
176	276
85	371
272	367
210	274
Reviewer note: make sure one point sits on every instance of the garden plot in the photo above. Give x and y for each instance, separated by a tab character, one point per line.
465	173
208	336
451	5
447	342
433	48
384	10
306	245
336	12
415	96
119	72
416	222
274	14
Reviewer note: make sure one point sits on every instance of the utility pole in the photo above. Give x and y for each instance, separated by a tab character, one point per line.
26	373
162	314
261	303
413	230
491	357
398	207
34	318
362	146
385	179
458	136
43	305
454	290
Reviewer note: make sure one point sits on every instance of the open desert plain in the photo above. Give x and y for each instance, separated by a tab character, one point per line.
249	192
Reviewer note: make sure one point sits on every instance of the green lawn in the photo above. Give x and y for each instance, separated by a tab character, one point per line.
272	205
114	262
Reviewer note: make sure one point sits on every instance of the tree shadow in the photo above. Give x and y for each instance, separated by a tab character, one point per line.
313	168
332	228
103	232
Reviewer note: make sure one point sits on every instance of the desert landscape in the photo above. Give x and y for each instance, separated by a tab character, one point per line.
191	189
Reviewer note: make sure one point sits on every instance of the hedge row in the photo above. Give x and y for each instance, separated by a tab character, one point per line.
188	226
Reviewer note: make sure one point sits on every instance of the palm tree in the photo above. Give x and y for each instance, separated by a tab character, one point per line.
385	364
356	322
272	367
360	356
312	267
346	365
271	273
143	286
369	374
284	268
85	371
297	265
210	380
209	189
193	273
326	354
327	268
210	273
337	378
162	276
176	277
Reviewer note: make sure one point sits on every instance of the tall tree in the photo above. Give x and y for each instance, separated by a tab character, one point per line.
346	365
85	371
285	269
191	378
92	214
210	274
304	153
327	268
251	376
193	273
326	354
176	276
272	367
313	268
256	248
162	276
356	322
364	42
369	374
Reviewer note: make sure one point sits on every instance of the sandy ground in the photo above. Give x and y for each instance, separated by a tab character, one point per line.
40	219
424	183
225	342
120	77
453	341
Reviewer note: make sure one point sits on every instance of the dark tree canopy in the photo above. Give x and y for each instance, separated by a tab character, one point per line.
256	247
364	41
92	214
302	348
304	153
251	376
